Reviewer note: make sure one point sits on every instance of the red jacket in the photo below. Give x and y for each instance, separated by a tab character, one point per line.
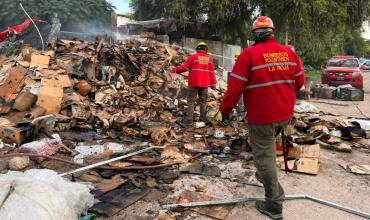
268	74
201	70
17	28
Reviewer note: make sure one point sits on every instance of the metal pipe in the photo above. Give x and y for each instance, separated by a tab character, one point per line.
338	206
89	167
287	197
37	29
10	191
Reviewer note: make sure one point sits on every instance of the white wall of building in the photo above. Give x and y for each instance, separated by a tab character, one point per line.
121	20
223	53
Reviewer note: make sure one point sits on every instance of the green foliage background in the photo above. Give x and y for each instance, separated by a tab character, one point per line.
75	15
317	28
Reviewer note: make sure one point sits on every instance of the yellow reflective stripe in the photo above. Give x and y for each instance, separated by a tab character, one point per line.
270	83
298	74
274	64
239	77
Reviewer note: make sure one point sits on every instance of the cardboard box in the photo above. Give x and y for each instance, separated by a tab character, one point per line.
11	87
51	95
306	159
15	134
304	165
307	151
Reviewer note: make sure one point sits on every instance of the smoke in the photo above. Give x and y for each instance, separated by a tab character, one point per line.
85	30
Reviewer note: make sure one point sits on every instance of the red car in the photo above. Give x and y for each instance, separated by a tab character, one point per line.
342	70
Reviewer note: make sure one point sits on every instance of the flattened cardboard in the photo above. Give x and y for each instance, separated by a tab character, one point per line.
40	61
65	81
50	96
356	169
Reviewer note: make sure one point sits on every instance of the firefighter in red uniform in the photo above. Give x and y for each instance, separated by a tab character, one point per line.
201	76
268	74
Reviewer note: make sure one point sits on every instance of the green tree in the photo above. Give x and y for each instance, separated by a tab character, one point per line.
318	28
367	49
75	15
226	19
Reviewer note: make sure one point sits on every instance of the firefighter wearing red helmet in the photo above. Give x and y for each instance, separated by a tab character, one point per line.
268	75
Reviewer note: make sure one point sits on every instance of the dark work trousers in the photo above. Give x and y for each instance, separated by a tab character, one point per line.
262	140
192	97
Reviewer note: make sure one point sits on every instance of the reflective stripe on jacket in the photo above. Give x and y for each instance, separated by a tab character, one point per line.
201	70
268	74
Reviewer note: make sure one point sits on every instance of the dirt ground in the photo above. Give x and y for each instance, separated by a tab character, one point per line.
332	183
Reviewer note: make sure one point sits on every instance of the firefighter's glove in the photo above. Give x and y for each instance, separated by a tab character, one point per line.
213	87
222	119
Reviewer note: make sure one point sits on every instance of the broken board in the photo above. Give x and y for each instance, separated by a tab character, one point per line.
106	185
114	201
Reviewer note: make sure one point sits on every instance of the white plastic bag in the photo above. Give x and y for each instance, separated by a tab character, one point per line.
40	194
305	107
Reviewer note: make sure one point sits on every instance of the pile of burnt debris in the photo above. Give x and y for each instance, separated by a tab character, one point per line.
85	102
108	114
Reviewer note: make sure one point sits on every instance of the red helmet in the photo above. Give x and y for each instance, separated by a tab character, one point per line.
291	47
263	22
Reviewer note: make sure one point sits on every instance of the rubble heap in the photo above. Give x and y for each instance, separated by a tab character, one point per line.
92	86
86	102
102	100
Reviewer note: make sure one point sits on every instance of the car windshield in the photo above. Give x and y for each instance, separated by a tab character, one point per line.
343	63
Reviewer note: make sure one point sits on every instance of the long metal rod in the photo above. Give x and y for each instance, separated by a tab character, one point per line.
11	189
287	197
92	166
37	29
338	206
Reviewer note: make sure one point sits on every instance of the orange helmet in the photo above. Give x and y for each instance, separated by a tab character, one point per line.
263	22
